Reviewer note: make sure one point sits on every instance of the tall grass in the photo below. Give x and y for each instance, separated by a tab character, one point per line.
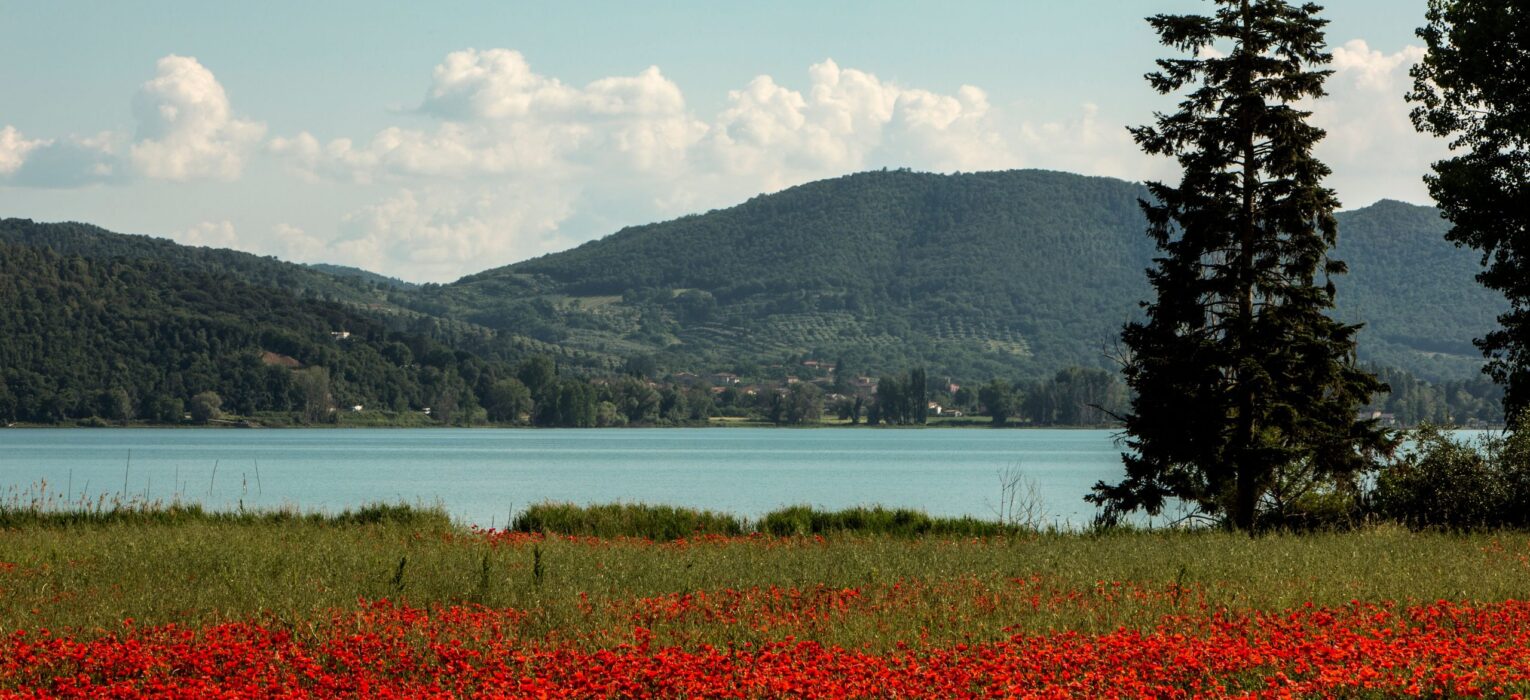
626	520
876	520
658	522
297	571
38	507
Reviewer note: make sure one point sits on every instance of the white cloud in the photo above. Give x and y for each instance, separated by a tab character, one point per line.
292	243
1372	146
847	120
1089	144
69	162
499	162
14	149
444	233
283	240
209	234
626	149
493	84
186	129
499	118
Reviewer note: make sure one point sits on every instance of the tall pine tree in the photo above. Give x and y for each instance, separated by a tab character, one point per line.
1473	87
1241	380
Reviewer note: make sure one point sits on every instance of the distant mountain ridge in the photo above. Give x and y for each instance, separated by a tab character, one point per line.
1013	274
94	242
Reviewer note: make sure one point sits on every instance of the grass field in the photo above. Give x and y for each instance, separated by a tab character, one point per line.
1232	614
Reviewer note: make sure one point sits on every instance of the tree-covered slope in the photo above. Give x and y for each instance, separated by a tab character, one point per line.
1016	273
87	241
376	297
118	338
1013	274
1416	292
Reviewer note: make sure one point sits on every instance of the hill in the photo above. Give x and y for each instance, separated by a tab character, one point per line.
123	338
376	298
356	273
1017	274
94	242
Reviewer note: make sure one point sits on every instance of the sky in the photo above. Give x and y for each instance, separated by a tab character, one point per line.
433	140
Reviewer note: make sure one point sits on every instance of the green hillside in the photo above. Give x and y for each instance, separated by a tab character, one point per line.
87	241
376	298
123	338
1014	275
1017	273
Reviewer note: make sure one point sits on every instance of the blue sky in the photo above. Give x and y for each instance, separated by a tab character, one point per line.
434	140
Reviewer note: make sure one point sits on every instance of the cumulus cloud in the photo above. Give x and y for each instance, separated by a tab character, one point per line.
627	149
293	243
498	117
209	234
186	129
14	149
849	120
283	240
67	162
498	162
443	233
1372	146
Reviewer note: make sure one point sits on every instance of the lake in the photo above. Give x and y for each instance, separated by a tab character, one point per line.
482	475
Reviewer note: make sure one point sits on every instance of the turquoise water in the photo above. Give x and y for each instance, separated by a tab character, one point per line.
480	476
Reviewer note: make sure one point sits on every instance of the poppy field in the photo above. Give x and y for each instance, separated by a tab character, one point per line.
422	608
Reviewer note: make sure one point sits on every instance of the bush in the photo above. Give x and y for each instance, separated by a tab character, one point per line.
626	520
1511	454
206	406
1443	483
876	520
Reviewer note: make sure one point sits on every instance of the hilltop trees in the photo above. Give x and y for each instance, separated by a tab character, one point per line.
1239	374
1473	87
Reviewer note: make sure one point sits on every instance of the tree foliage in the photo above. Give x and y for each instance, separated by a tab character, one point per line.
998	400
1238	371
1473	87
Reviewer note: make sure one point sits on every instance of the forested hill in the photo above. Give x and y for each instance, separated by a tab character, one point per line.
1016	273
1013	274
121	337
333	283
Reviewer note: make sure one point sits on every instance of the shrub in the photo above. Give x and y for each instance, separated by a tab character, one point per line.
626	520
1444	483
875	520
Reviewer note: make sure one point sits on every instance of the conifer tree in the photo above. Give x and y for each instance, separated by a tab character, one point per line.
1473	87
1240	377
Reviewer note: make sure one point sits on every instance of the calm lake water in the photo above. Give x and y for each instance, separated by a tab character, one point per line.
482	475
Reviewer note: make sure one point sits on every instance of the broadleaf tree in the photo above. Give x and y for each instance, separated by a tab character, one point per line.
1241	378
1473	87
